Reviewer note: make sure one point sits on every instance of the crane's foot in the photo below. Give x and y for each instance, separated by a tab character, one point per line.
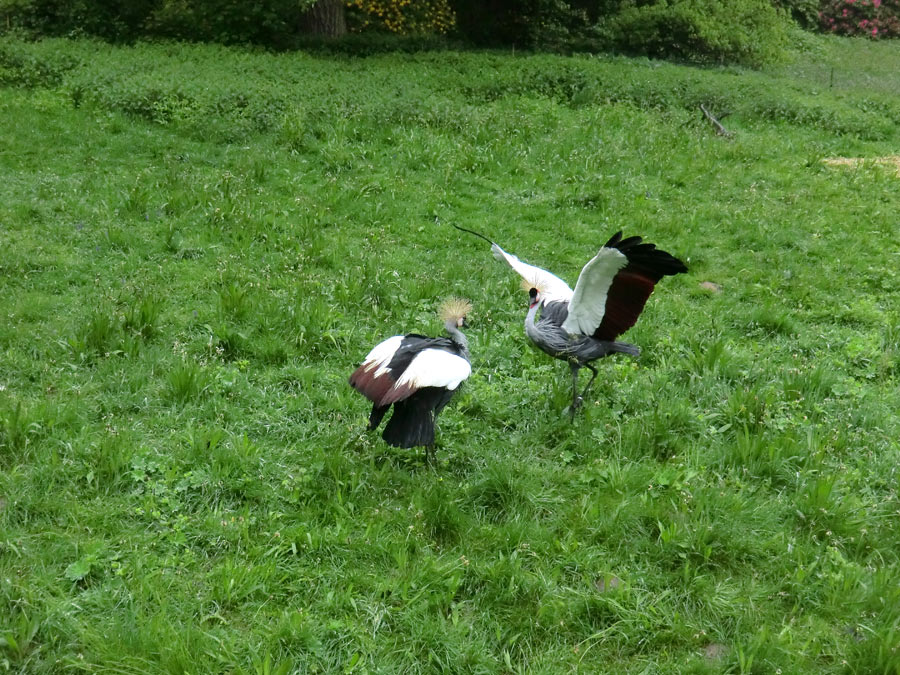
577	402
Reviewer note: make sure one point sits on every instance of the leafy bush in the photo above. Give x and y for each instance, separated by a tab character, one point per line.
524	23
598	9
403	17
749	32
21	68
870	18
188	90
273	22
804	12
111	19
743	31
371	42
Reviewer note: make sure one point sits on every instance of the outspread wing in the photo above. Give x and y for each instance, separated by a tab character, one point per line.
617	283
552	288
588	305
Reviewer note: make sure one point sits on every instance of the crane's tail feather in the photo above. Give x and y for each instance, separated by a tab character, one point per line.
412	422
472	232
625	348
409	426
376	415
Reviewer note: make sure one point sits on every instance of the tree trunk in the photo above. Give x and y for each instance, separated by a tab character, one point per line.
325	19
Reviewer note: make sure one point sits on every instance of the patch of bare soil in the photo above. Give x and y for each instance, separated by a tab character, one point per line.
889	161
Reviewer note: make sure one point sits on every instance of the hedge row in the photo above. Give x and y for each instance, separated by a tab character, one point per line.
748	32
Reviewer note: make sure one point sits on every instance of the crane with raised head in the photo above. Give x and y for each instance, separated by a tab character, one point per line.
581	326
418	375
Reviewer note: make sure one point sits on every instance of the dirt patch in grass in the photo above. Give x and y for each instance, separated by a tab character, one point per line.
715	651
890	161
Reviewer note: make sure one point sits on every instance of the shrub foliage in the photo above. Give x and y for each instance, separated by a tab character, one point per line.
749	32
226	21
270	22
804	12
403	17
742	31
522	23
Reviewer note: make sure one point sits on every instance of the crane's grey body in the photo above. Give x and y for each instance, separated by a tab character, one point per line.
581	325
578	351
548	334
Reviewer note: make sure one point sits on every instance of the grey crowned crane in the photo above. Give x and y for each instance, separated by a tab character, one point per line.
581	326
418	375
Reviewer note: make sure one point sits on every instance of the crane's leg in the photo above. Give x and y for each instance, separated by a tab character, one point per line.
591	381
576	399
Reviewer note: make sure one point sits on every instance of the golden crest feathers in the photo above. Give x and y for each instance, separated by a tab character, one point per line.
454	308
533	282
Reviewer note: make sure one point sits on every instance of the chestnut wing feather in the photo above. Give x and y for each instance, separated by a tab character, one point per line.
633	284
591	297
398	367
624	303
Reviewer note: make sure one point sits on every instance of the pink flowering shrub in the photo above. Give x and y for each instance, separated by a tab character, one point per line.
868	18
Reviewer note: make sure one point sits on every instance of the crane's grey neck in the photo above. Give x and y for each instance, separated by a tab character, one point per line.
456	335
530	329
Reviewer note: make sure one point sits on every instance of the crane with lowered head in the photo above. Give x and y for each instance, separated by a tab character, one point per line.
418	375
581	326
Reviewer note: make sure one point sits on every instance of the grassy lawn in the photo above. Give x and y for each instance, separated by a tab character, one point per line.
199	244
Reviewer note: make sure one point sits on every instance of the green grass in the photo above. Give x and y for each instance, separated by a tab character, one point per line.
200	244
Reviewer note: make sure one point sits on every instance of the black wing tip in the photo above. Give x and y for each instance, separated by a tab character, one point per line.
613	240
647	255
616	241
665	262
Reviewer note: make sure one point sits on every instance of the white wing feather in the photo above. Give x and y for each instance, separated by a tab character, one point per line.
588	303
381	355
552	288
435	368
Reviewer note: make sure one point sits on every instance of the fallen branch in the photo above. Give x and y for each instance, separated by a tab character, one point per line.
720	130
